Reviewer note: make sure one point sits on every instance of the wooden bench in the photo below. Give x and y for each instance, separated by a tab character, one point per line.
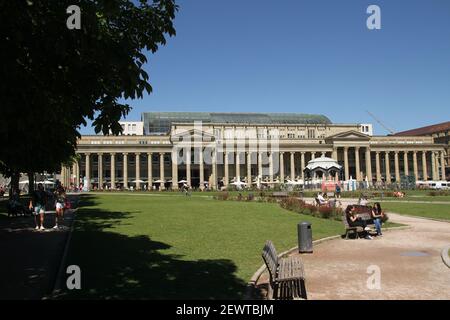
287	276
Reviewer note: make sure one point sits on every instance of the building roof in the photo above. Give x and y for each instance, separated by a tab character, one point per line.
428	130
156	122
324	163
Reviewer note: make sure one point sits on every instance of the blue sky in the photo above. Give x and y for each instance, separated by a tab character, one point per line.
308	56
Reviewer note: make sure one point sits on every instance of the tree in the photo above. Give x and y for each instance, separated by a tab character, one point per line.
57	77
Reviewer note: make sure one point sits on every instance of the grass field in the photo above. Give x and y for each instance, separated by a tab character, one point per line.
427	210
177	247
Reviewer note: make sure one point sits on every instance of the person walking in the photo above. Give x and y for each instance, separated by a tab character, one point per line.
37	205
60	196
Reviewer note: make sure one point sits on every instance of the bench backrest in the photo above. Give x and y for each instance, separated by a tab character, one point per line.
270	258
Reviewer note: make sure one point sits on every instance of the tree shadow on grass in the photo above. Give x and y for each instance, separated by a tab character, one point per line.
116	266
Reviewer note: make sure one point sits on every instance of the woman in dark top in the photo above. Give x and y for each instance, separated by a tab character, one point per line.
355	221
377	215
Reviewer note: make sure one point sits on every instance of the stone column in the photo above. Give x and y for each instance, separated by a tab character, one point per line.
302	165
388	167
214	169
125	170
323	154
397	167
443	166
347	176
260	165
334	155
424	166
271	167
405	163
88	171
433	165
249	169
358	167
113	171
377	165
281	167
313	155
238	164
100	171
161	171
150	170
368	165
415	166
174	169
226	177
292	166
77	173
74	172
188	167
138	170
202	173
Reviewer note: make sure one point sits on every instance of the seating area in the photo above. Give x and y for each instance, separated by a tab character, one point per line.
287	275
364	212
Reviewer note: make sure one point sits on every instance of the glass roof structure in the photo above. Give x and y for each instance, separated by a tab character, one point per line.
156	123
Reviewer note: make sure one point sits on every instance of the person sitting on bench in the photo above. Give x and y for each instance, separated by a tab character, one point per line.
321	200
355	221
377	215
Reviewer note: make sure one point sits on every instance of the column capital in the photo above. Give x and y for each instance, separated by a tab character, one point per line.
125	153
345	148
162	153
377	152
99	153
281	152
137	153
112	153
396	152
357	148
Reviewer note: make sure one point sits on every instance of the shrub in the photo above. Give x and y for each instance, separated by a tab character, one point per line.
222	196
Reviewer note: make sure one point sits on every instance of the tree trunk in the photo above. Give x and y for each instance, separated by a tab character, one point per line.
14	186
30	182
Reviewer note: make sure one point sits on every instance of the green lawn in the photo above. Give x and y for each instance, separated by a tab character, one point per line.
177	247
427	210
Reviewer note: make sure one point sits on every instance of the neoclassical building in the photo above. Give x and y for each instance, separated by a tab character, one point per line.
215	149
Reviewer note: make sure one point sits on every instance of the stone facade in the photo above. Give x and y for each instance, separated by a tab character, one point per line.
218	153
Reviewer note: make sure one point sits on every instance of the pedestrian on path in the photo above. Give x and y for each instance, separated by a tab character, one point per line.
38	202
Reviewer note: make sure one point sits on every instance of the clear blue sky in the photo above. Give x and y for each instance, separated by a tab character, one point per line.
309	56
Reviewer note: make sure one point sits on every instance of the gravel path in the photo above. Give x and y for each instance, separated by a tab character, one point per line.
409	262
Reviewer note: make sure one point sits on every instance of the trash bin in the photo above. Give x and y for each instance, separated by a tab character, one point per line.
305	244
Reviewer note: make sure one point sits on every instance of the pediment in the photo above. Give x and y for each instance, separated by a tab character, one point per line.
192	134
349	135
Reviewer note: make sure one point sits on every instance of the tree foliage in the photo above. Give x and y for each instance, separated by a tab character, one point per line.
53	78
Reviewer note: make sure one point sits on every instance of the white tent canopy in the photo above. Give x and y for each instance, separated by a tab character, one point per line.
324	164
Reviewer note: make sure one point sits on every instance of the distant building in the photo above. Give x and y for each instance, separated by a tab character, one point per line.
132	128
240	148
441	135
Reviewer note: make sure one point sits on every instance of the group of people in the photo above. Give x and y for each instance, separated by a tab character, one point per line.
354	220
39	202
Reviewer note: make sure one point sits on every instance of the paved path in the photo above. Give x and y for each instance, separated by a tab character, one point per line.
409	261
30	259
